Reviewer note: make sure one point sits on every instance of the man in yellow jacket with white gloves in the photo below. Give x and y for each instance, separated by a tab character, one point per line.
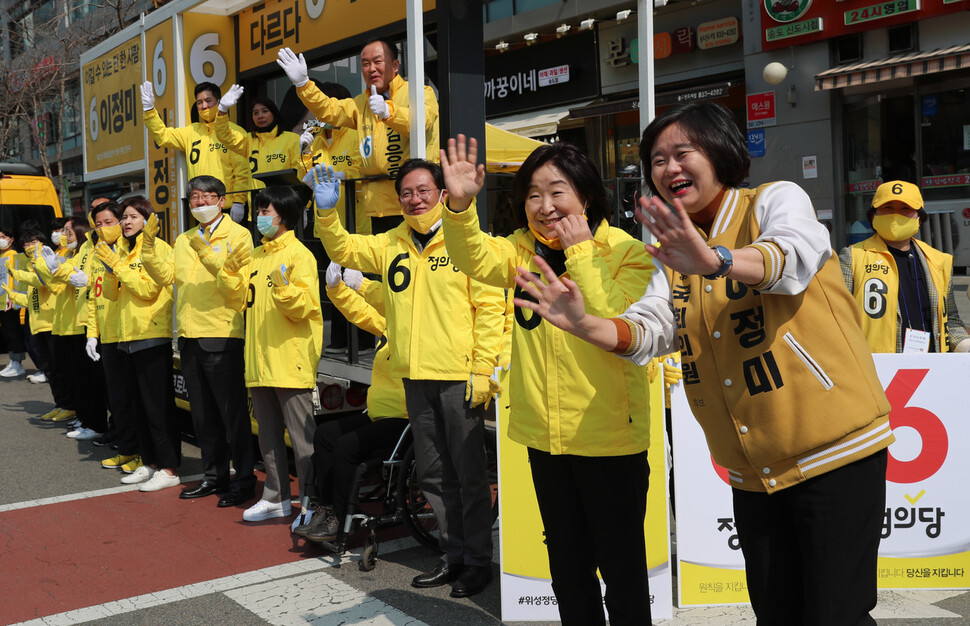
447	336
210	338
381	117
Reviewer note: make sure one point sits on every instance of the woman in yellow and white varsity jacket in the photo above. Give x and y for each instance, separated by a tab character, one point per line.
776	367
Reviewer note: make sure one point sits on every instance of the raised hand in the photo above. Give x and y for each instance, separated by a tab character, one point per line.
50	258
78	279
325	185
305	140
150	231
147	95
378	105
464	176
572	229
107	256
230	98
294	66
236	260
681	248
556	300
280	276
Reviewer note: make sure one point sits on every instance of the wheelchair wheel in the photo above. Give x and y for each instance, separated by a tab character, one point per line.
368	560
414	507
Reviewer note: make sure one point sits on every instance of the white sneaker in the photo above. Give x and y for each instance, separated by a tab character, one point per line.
74	424
160	480
13	369
87	433
300	519
38	378
74	434
264	509
140	475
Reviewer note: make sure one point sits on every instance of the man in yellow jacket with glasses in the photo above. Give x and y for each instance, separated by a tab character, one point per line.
210	338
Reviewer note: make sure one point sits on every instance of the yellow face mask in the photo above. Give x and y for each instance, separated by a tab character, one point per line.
423	223
555	244
109	234
209	115
895	227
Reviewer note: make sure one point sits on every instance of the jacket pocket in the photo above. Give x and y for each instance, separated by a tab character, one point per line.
809	362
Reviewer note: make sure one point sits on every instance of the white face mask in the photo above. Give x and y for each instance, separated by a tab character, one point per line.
206	214
72	245
4	243
56	237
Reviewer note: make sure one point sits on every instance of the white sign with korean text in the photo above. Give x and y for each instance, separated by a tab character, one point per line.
554	75
926	524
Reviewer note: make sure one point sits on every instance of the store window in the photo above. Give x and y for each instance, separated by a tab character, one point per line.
945	141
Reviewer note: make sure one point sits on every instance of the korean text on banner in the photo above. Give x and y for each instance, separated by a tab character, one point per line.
112	110
161	176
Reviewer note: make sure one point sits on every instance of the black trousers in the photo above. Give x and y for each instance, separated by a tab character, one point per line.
13	334
86	384
159	439
340	445
120	381
37	349
592	509
215	380
65	363
810	550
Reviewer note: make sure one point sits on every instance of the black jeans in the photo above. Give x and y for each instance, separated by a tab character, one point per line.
592	509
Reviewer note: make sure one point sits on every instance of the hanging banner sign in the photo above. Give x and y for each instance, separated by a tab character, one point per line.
112	105
161	178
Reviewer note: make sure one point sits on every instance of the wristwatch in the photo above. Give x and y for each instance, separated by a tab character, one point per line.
727	261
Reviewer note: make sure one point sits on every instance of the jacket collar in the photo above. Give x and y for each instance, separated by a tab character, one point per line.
272	245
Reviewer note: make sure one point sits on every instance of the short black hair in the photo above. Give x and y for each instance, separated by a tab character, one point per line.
580	172
273	109
139	203
111	206
207	86
419	164
389	48
285	200
205	184
712	130
31	234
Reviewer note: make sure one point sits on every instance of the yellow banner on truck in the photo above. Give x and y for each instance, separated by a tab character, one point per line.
112	105
161	175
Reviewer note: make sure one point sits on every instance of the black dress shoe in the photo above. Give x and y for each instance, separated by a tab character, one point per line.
235	499
442	575
203	489
473	579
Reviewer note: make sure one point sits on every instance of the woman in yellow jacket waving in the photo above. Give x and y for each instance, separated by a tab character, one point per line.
284	336
583	415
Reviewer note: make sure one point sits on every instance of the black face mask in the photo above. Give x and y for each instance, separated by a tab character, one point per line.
266	129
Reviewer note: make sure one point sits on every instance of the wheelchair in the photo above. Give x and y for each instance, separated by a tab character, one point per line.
391	487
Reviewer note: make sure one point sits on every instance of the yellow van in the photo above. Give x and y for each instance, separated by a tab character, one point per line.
26	195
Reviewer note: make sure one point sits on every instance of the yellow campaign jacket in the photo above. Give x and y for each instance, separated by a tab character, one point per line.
204	153
30	292
444	325
876	290
82	260
341	152
384	144
385	398
265	152
64	319
144	306
203	307
566	395
284	323
102	312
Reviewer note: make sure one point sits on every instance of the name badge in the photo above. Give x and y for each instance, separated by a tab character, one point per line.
916	342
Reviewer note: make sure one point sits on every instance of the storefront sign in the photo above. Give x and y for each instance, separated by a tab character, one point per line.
210	52
112	107
526	584
786	10
717	33
809	167
662	46
756	143
683	40
952	180
865	186
761	109
161	176
880	11
547	74
307	24
925	526
794	29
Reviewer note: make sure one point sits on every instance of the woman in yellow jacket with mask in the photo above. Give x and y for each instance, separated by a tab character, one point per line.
10	314
584	415
145	342
284	335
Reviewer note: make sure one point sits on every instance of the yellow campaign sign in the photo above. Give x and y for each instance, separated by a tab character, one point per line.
161	175
306	24
112	107
209	52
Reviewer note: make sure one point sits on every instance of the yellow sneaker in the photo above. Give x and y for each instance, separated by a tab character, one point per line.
132	465
118	461
63	416
51	414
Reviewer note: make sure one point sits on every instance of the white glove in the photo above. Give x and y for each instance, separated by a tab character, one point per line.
333	275
91	347
147	96
294	66
353	279
78	279
377	104
305	140
231	98
50	258
237	212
